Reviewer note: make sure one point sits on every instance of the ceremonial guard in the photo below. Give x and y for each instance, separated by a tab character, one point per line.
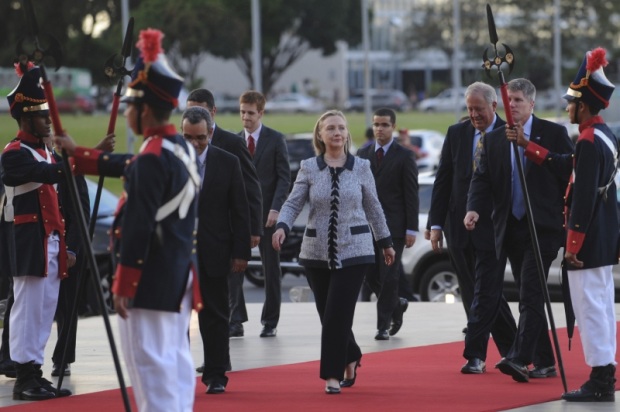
33	231
154	236
592	225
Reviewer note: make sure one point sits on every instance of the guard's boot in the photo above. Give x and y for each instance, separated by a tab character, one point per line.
27	387
600	387
47	385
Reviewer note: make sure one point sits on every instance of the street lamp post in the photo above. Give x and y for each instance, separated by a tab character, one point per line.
366	46
456	64
256	42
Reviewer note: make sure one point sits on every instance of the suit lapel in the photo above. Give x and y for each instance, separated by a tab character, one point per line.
470	132
210	169
535	135
263	142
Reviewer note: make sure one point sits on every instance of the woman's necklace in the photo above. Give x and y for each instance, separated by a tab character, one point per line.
339	161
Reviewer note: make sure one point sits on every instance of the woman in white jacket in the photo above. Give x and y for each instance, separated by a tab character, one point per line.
338	244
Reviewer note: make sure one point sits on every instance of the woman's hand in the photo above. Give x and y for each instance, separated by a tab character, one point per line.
388	255
277	239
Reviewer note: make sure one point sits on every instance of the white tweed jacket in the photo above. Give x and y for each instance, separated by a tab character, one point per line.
343	209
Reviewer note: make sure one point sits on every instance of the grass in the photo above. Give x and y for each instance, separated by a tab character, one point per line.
88	130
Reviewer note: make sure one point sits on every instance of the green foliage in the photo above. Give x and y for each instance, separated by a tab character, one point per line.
62	19
526	28
289	28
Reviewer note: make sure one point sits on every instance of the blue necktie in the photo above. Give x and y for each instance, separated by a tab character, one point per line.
518	202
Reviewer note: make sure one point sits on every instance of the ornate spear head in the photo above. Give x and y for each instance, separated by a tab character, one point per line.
115	67
35	52
498	59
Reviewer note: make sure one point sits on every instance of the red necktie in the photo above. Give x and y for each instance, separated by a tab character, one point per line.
251	145
379	156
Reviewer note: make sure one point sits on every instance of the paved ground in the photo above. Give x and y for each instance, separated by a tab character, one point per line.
297	341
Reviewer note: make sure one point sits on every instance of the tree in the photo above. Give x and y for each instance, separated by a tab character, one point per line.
64	20
289	29
527	29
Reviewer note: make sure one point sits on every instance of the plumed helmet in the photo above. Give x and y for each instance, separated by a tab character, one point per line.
153	81
28	96
591	85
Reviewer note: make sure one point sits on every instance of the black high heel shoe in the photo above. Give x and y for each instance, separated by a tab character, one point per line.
332	390
347	383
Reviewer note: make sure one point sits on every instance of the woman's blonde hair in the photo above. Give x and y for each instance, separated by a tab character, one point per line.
319	146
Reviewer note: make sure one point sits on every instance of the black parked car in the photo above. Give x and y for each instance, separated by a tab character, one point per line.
101	248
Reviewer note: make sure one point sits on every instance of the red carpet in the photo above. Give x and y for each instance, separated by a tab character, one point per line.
424	378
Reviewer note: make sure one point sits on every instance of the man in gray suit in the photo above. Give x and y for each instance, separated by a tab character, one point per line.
270	158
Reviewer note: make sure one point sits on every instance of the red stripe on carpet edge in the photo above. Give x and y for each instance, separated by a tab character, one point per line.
423	378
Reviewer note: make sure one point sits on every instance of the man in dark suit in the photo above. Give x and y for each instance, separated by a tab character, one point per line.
396	178
496	174
472	254
591	222
223	241
235	145
270	157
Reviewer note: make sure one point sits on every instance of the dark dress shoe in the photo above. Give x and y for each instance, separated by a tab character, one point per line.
588	393
382	335
330	390
543	372
56	370
33	394
201	368
268	332
49	386
600	387
474	366
514	368
7	368
216	388
347	383
235	330
397	318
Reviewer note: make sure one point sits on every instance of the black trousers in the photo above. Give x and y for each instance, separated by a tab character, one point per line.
238	311
213	325
66	321
489	312
383	280
463	261
532	343
5	350
335	295
273	279
273	286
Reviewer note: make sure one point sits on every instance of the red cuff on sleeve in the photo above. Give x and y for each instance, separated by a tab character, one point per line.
536	153
196	295
86	161
126	281
574	241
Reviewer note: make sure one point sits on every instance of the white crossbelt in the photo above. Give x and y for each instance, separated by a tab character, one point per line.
12	191
614	152
182	200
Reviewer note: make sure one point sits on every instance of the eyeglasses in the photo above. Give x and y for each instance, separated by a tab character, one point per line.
201	138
